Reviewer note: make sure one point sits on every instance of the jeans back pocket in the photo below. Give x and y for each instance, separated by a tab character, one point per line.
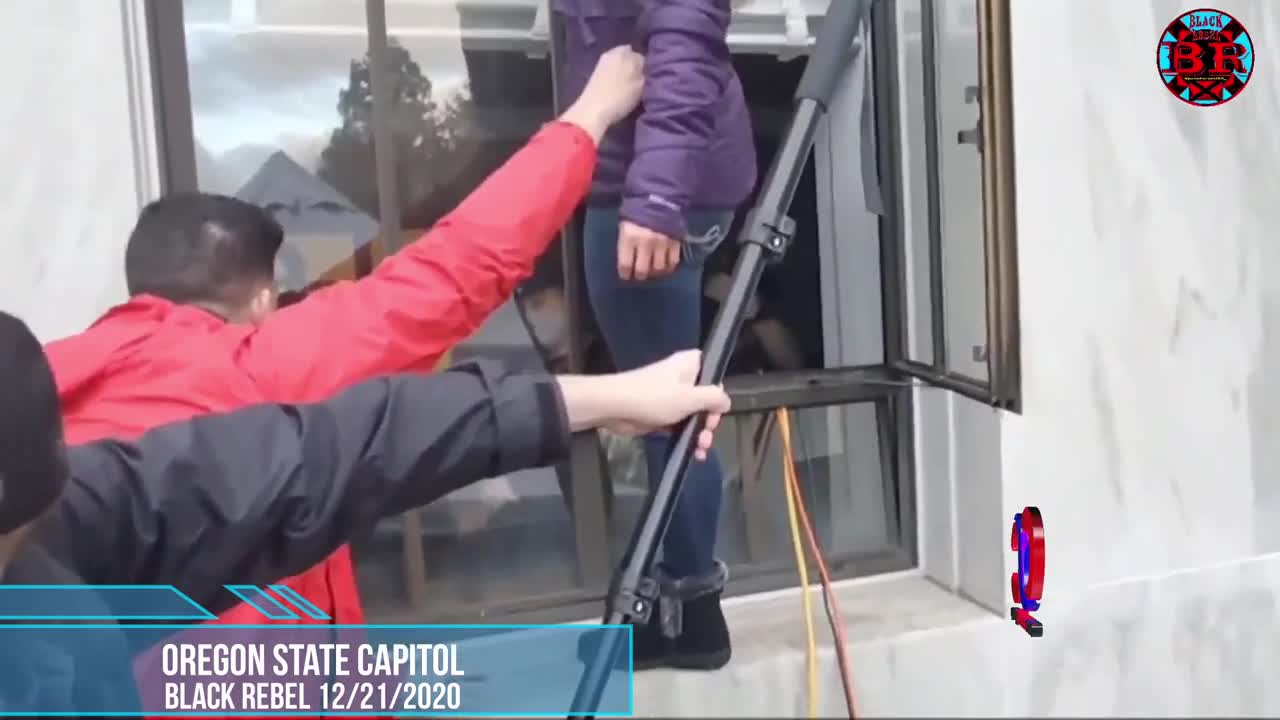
706	232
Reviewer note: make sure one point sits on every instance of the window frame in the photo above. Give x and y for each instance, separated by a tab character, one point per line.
1003	388
827	387
175	130
888	385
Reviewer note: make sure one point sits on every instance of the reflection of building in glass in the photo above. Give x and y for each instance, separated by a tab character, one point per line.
323	229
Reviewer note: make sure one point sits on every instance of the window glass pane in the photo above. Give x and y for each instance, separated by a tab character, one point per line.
914	156
281	102
265	114
511	539
958	176
837	455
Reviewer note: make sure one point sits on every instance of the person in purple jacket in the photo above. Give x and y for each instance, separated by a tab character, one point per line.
667	184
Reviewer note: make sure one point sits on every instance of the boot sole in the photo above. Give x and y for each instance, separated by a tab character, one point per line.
686	661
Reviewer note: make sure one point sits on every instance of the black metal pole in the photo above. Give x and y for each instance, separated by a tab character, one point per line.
765	236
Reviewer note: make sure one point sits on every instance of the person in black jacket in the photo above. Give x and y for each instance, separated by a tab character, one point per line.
255	495
265	492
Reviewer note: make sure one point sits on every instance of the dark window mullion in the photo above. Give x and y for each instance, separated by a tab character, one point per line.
894	418
388	191
893	252
589	483
937	298
384	158
902	426
172	95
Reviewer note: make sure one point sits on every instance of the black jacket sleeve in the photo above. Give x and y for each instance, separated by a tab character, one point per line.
267	492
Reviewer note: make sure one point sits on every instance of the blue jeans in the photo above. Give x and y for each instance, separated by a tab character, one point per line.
643	322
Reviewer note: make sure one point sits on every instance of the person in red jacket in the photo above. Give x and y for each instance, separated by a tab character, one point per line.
201	332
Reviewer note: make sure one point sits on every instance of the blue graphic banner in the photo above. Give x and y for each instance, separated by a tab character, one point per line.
262	601
291	595
98	602
107	669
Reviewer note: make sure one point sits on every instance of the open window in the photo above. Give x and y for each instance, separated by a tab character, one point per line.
950	254
273	100
813	340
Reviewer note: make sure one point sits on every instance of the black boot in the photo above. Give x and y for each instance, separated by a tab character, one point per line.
651	646
692	623
686	631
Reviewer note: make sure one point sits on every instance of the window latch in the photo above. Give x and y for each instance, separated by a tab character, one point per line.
795	30
540	30
972	136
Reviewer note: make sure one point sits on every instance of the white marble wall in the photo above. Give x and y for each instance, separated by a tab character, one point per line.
1150	299
1148	316
74	170
1190	644
1150	295
1194	644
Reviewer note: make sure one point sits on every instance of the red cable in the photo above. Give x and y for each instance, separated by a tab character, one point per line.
834	616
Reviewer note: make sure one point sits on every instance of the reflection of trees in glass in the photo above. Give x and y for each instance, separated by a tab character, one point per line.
431	141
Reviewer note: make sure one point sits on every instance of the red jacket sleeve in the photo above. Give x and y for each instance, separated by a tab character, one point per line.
417	304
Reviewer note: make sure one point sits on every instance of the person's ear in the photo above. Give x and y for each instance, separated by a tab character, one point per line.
12	544
263	304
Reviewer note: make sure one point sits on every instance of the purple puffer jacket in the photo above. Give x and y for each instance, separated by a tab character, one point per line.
690	145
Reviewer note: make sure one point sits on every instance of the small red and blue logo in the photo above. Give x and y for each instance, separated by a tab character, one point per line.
1027	582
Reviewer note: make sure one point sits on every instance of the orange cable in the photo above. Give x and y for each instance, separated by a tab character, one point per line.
837	620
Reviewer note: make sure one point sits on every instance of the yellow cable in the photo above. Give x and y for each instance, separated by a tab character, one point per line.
788	469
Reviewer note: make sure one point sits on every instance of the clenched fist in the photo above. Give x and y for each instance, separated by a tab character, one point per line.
645	253
611	93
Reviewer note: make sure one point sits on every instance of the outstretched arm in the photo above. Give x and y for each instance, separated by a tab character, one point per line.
439	290
266	492
435	292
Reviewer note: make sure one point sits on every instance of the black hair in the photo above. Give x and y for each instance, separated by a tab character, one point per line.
197	247
33	462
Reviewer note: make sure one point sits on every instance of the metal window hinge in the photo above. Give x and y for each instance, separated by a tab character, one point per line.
973	136
795	18
540	31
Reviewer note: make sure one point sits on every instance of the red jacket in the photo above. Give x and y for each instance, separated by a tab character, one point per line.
149	362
